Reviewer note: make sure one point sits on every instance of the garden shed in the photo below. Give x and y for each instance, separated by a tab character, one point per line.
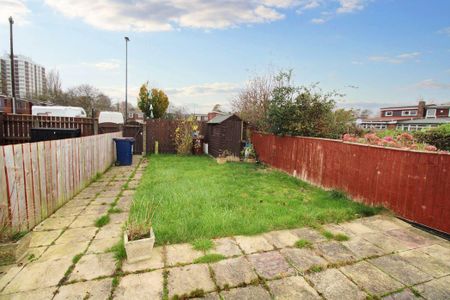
225	132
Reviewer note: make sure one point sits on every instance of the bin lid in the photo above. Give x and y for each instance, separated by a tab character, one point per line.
129	139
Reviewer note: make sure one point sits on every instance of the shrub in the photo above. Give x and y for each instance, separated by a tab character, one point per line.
438	137
184	135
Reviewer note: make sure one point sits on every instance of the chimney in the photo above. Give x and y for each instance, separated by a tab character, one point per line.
421	109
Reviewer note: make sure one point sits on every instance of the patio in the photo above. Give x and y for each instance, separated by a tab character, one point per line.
70	258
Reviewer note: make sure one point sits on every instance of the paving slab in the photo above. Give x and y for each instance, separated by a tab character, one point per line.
335	252
406	294
140	286
233	272
385	242
357	227
271	265
281	238
54	223
110	231
84	220
75	235
181	254
253	244
95	289
225	246
45	293
362	248
210	296
33	254
8	274
44	238
384	223
371	278
409	239
155	262
93	266
438	252
67	211
308	234
64	251
103	201
128	193
246	293
438	289
181	281
102	245
334	285
120	218
303	259
97	210
400	269
31	276
426	263
294	287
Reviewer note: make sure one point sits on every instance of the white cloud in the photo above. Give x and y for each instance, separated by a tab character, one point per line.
445	31
165	15
432	84
108	65
15	8
205	89
349	6
398	59
318	20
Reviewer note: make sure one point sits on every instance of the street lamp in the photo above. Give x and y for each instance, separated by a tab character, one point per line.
126	78
13	81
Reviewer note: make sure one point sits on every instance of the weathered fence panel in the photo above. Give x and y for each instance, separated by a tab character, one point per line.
15	129
38	178
415	185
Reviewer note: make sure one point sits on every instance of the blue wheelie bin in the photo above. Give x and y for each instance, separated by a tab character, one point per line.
124	148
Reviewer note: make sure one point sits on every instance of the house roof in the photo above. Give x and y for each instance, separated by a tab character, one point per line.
427	121
220	118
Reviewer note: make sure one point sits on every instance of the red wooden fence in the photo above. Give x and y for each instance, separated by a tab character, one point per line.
38	178
415	185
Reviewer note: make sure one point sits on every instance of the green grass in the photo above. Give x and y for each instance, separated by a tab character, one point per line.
338	237
197	198
77	258
303	244
119	250
209	258
114	210
202	244
102	221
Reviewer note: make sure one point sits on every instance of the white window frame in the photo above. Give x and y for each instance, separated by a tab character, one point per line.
409	113
430	110
388	113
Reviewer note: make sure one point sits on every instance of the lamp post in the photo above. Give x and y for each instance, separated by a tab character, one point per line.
13	81
126	78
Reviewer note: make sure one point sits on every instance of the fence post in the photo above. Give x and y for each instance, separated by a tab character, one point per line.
144	138
95	125
2	120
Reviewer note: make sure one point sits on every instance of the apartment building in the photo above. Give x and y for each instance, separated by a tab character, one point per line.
30	80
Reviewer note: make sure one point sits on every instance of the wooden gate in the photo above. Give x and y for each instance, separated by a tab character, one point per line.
135	130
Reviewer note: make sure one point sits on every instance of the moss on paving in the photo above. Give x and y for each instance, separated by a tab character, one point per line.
198	198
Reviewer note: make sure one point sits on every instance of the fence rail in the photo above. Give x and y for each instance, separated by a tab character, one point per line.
415	185
15	129
38	178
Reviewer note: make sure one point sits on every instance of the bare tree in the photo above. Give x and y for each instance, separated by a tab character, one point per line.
89	98
252	102
54	83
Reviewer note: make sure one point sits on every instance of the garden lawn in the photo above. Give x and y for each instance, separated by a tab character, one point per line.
198	198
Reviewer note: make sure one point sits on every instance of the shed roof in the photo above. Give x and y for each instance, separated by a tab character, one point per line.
220	118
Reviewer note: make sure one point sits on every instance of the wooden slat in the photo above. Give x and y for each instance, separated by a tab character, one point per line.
28	182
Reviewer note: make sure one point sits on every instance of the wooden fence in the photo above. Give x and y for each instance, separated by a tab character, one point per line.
38	178
15	129
415	185
163	131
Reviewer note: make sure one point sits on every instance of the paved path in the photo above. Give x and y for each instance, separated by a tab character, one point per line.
383	258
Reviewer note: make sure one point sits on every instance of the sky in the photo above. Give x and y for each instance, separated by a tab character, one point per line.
376	52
